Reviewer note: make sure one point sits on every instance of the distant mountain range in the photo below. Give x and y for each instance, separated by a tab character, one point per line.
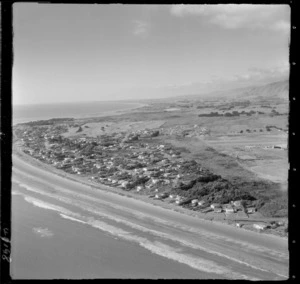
275	90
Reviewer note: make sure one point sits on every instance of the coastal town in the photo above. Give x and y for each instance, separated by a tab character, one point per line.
138	162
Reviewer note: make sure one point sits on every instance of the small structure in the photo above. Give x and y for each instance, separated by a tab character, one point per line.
201	202
195	201
251	210
218	209
259	227
230	210
237	203
139	188
124	184
163	195
215	205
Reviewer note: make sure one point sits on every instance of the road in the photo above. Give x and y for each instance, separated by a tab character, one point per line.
219	249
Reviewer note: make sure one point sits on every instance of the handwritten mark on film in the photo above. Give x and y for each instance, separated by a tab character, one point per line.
5	255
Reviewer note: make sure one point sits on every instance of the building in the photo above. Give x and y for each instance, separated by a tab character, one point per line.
215	205
251	210
259	227
201	202
218	210
237	203
230	210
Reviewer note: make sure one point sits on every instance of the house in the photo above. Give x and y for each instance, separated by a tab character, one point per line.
124	184
215	205
139	188
260	227
251	210
230	210
201	202
163	195
238	203
218	210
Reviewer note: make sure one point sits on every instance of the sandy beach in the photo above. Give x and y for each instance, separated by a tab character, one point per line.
209	247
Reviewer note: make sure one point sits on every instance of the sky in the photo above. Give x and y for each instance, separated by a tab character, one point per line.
97	52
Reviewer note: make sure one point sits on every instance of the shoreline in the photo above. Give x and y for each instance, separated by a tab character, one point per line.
103	114
17	152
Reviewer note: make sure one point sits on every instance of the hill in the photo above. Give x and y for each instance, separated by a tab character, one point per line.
272	91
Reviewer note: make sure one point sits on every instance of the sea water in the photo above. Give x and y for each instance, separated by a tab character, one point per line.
25	113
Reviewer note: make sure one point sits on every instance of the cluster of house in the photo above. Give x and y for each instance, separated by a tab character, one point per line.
232	207
185	130
280	146
263	226
111	159
124	161
118	161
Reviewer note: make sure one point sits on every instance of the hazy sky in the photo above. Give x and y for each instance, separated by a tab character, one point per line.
73	52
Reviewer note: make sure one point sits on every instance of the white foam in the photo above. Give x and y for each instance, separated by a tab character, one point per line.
45	205
72	218
94	210
203	233
43	232
157	248
164	250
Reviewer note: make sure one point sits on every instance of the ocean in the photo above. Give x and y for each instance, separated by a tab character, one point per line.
25	113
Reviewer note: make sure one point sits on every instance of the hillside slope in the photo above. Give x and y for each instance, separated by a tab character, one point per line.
276	90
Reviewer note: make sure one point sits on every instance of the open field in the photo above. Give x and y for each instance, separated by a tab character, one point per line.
253	153
99	128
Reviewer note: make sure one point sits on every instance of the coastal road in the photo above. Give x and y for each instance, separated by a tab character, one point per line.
214	249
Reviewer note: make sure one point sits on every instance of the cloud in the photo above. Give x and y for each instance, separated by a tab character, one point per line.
280	68
233	16
253	76
141	28
257	74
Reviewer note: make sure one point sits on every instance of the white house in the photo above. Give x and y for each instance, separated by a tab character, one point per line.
218	210
201	202
237	203
215	205
259	226
251	210
230	210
